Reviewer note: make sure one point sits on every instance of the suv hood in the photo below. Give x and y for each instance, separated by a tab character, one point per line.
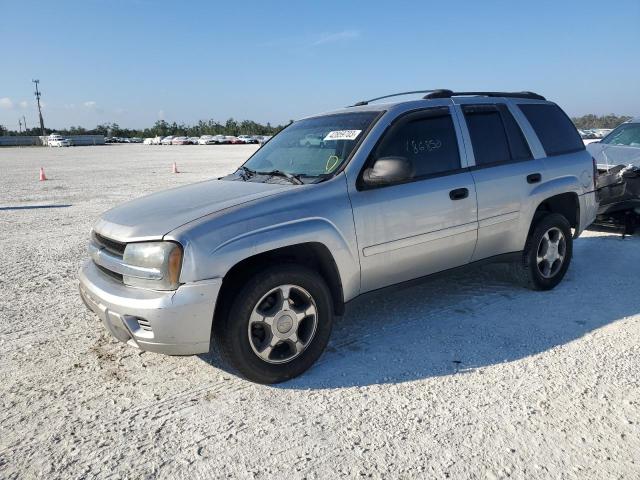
153	216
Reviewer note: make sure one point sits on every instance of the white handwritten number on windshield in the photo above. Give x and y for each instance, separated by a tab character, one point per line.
416	146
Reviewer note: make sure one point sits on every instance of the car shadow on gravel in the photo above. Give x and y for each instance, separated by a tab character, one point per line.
466	321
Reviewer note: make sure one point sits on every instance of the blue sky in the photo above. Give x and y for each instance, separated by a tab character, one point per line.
134	62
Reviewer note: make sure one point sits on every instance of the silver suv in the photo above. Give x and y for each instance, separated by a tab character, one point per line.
262	261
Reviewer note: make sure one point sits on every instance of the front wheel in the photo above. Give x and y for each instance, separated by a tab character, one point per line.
278	325
547	254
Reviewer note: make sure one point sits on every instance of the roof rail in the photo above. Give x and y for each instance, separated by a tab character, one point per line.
366	102
449	94
444	93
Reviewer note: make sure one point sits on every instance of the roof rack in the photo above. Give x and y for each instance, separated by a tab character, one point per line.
449	94
444	93
366	102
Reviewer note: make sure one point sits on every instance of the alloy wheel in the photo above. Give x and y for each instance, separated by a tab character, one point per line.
283	324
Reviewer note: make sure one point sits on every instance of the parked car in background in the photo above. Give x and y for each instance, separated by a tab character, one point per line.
167	140
264	139
193	140
247	139
262	261
148	141
209	140
156	140
620	147
180	141
233	140
55	140
222	140
135	140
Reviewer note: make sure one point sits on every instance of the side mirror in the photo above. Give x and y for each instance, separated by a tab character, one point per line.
388	170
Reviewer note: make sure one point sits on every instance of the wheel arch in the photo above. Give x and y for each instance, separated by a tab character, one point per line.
314	255
566	204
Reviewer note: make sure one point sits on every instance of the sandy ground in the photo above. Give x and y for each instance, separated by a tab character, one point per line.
466	376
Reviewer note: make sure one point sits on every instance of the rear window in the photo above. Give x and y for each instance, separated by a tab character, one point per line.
554	129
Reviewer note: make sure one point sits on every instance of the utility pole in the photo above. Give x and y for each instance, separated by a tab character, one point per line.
39	108
19	125
24	122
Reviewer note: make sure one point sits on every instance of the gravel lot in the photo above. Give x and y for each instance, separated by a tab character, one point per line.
465	376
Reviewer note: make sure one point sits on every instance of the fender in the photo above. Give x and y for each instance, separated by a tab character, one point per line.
216	243
307	230
556	186
216	262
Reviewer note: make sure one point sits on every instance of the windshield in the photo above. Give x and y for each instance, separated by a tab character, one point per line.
626	134
312	147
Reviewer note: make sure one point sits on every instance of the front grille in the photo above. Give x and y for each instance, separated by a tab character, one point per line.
113	247
106	271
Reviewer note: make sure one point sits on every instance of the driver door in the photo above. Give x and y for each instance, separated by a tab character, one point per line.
426	224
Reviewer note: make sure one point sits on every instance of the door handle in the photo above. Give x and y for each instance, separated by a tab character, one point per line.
534	178
459	193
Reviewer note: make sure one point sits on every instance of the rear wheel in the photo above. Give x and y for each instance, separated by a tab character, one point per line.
278	325
547	254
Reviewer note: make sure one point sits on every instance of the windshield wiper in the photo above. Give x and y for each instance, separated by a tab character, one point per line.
279	173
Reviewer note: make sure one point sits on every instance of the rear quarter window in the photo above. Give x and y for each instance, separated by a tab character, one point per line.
553	127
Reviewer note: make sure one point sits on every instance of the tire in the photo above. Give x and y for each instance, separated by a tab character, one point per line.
264	336
546	274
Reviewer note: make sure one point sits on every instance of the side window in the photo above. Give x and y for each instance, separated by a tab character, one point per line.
554	129
427	139
495	136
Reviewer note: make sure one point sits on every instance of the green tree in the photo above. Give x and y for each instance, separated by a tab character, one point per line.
594	121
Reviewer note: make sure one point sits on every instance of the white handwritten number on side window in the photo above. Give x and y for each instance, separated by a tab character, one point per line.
416	146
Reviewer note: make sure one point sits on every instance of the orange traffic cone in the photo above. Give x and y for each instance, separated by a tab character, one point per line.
43	177
174	168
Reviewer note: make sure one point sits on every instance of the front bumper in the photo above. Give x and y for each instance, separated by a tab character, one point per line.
175	322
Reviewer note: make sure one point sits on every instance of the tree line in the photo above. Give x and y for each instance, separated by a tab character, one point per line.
163	128
589	121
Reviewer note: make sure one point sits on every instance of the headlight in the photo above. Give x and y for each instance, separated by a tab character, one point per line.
155	265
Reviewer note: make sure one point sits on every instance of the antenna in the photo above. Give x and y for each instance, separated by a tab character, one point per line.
37	93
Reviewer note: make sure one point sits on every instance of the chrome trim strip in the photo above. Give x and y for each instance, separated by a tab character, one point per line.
102	257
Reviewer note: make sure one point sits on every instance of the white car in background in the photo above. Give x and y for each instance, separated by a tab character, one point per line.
248	138
55	140
208	140
167	140
148	141
620	147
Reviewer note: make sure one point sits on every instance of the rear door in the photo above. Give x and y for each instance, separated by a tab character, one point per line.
427	224
504	171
